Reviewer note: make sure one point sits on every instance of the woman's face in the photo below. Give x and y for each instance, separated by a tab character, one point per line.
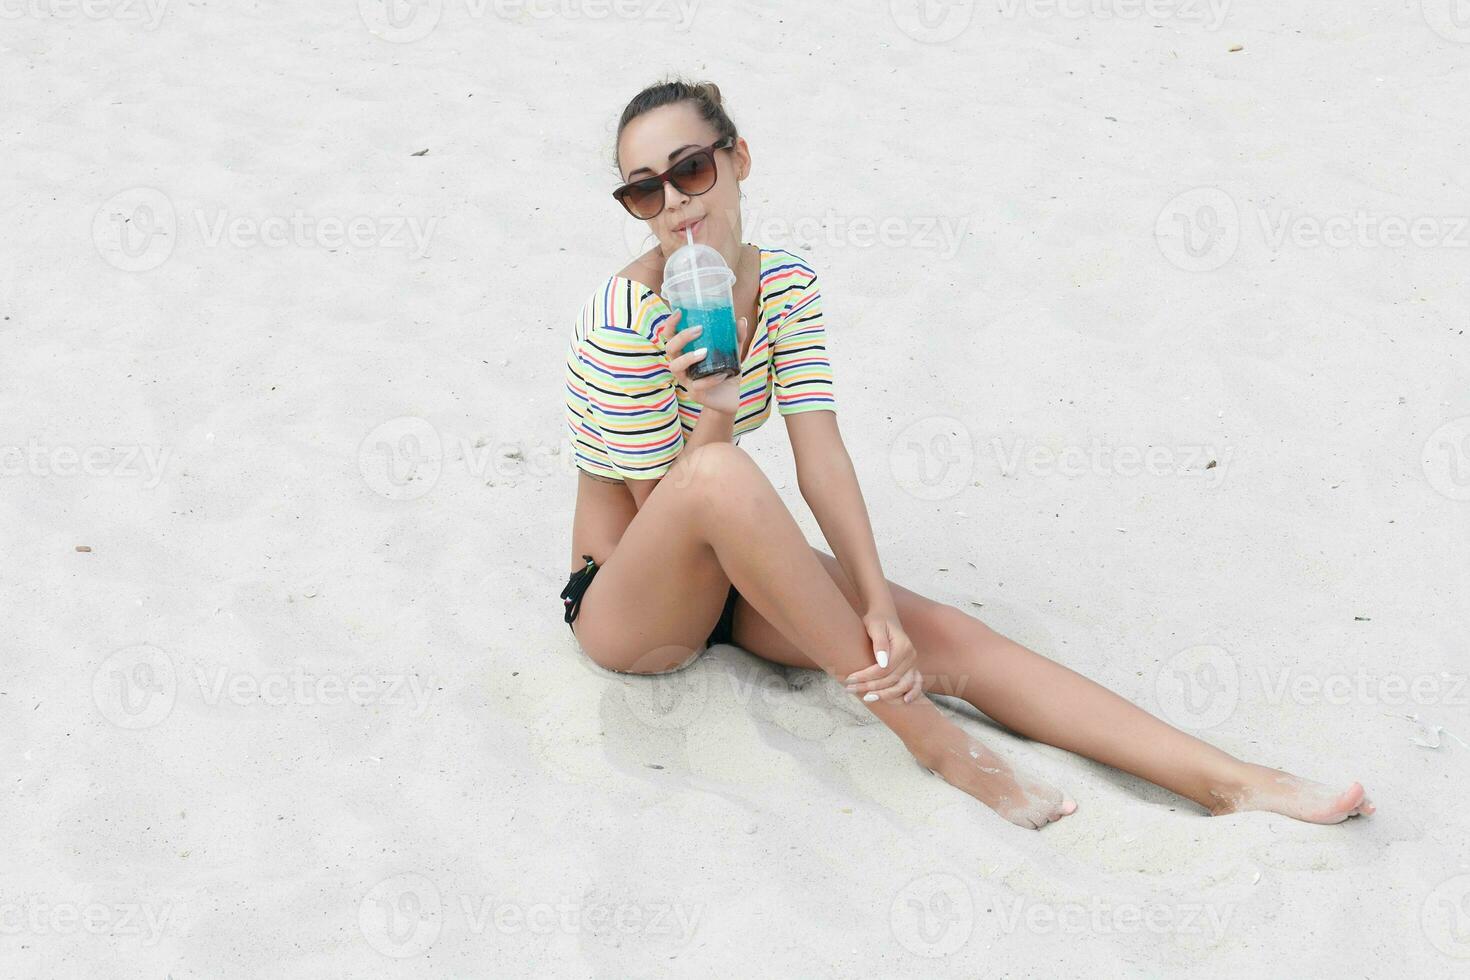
654	142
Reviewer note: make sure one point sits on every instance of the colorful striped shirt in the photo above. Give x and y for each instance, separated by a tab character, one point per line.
628	418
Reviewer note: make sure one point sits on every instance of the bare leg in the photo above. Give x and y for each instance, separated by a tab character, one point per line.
1040	699
1043	700
720	512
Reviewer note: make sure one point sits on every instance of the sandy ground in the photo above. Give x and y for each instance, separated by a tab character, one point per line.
307	707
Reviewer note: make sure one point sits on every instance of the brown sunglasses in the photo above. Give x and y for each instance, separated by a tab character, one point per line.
693	175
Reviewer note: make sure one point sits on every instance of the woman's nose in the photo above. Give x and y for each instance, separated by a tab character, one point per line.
673	197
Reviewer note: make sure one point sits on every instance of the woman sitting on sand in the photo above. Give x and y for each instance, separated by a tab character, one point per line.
657	561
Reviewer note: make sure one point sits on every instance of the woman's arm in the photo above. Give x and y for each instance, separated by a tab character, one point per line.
829	485
718	399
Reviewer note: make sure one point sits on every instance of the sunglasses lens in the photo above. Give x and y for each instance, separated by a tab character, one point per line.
644	198
694	174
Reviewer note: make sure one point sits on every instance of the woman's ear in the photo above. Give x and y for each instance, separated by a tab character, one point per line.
742	158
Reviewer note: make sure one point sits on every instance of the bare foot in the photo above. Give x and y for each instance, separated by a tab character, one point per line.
1281	792
967	765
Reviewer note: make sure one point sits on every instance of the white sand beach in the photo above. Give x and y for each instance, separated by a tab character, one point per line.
1148	329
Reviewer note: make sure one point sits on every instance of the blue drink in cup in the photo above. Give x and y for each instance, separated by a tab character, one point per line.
699	284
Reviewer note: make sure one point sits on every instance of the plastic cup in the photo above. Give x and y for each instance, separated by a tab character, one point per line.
699	284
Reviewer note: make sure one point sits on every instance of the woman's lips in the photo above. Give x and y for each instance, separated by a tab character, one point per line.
693	228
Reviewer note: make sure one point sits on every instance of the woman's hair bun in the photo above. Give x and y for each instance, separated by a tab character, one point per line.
711	91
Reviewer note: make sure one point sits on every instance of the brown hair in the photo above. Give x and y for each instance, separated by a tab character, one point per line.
704	95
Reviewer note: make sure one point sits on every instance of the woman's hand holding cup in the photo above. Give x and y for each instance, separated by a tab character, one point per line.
720	393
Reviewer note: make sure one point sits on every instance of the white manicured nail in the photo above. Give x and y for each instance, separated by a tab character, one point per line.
871	696
701	351
882	658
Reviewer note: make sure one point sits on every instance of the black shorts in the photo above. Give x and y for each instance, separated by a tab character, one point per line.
582	577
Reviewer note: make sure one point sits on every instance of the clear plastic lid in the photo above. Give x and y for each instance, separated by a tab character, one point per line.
697	272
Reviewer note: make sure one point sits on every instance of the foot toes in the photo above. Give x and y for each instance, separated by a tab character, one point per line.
1069	807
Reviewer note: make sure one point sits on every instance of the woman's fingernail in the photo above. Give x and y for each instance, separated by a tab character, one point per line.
701	351
882	658
871	696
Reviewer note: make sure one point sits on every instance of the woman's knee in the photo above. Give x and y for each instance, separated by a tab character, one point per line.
716	466
961	630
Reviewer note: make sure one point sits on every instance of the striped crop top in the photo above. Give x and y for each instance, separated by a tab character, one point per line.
627	417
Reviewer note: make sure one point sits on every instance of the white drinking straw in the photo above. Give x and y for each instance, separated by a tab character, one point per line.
698	299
